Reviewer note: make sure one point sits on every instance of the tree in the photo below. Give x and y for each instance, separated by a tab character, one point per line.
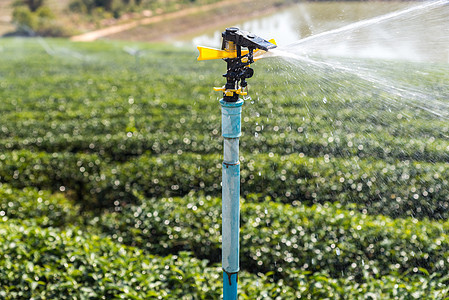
33	5
106	4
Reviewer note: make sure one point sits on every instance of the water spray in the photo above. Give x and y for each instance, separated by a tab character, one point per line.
238	70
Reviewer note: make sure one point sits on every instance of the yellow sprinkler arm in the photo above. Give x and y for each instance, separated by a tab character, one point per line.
207	53
210	53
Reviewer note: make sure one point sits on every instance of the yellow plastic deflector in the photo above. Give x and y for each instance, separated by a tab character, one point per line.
207	53
210	53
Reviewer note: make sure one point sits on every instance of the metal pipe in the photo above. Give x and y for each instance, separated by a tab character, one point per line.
231	131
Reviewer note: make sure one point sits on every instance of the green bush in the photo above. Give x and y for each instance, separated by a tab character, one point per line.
41	207
41	21
32	5
394	286
75	174
116	7
121	146
395	189
70	264
280	237
24	19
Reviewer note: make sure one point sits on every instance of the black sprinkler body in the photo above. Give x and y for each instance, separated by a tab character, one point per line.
238	68
245	39
238	60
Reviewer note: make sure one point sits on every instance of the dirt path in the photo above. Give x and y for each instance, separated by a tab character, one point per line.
94	35
5	17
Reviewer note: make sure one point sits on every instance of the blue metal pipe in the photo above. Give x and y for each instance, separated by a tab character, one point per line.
231	130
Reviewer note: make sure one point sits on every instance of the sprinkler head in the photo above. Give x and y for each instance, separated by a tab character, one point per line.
238	60
239	66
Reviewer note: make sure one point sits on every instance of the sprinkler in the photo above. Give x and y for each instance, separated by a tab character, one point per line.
238	70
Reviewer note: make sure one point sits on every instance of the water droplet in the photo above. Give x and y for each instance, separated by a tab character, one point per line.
337	250
324	100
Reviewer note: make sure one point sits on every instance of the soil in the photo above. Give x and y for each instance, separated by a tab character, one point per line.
5	17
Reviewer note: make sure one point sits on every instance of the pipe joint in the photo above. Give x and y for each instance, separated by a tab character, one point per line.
231	113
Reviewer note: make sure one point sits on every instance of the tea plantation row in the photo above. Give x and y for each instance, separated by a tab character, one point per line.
346	194
129	142
278	237
66	262
71	264
78	98
401	189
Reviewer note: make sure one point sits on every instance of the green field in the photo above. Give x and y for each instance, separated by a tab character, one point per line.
110	168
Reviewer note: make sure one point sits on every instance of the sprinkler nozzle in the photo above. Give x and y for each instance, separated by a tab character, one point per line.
238	60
